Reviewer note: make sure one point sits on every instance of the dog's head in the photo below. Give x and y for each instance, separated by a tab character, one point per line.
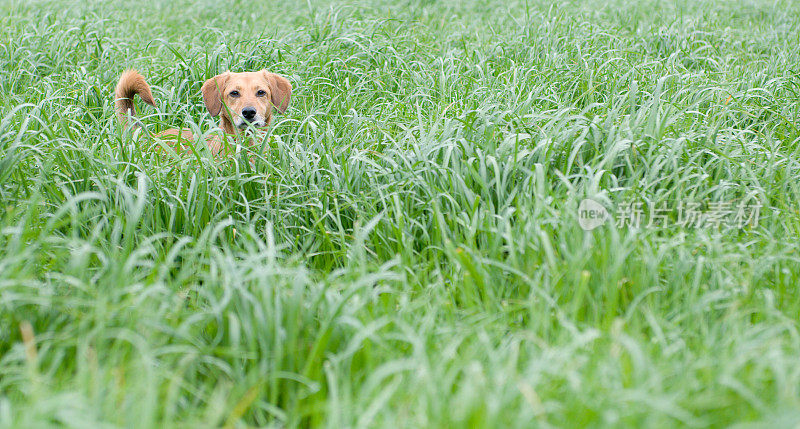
246	99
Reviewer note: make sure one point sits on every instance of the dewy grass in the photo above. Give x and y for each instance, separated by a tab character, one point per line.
405	251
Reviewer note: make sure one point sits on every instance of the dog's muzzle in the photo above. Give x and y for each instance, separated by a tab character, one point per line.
249	117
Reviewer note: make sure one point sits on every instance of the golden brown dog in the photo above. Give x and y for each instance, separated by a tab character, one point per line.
241	100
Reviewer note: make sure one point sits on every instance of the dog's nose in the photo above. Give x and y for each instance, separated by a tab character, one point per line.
249	113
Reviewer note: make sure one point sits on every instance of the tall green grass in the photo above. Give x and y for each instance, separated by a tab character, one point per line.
405	249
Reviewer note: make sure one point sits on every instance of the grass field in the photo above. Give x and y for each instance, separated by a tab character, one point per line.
405	251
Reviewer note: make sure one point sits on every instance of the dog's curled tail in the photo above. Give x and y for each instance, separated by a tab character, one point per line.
131	83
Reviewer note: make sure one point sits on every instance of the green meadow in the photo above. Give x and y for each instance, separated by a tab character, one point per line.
405	247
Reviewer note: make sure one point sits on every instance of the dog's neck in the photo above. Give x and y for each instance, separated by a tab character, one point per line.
227	125
232	138
240	134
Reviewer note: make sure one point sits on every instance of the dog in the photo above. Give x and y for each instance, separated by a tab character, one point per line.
242	101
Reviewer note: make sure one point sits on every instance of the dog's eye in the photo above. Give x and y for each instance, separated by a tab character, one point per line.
234	93
261	93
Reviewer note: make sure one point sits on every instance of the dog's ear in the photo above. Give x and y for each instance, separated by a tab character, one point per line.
281	90
212	93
